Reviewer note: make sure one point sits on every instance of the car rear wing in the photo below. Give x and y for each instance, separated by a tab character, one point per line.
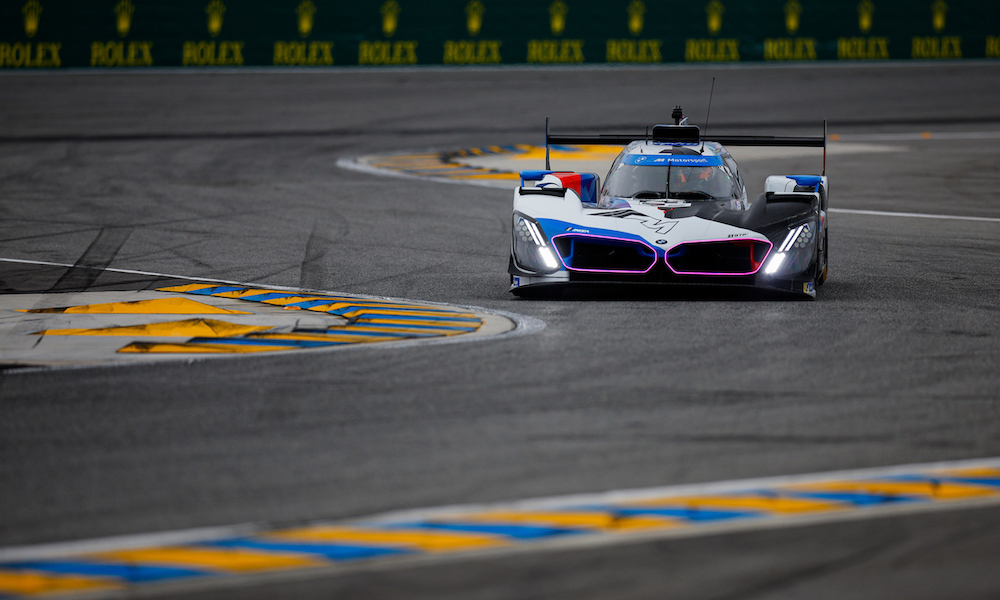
685	134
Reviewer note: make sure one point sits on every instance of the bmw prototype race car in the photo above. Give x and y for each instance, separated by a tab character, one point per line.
673	209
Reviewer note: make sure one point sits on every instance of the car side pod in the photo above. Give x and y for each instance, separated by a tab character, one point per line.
804	197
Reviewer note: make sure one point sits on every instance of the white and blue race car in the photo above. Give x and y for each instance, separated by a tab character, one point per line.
673	210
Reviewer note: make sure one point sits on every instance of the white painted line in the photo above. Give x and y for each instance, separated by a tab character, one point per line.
352	164
880	213
922	136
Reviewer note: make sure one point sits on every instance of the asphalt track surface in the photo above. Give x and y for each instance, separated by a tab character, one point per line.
231	176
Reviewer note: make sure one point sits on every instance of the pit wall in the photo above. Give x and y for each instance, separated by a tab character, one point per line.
53	34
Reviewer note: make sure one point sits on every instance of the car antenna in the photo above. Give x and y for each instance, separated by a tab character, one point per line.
547	166
707	115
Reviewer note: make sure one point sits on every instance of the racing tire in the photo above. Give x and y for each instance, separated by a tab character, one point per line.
817	264
821	277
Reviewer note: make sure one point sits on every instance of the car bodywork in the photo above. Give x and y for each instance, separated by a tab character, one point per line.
672	210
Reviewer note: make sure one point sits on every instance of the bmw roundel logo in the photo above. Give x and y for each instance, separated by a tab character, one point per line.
661	242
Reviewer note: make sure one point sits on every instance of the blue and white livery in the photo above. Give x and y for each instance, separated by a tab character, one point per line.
673	209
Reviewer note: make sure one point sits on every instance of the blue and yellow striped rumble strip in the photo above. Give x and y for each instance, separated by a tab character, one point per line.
367	321
676	511
442	165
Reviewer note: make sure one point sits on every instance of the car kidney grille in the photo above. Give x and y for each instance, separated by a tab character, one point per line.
598	254
722	257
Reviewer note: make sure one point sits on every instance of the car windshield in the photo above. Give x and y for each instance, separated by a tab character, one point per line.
671	181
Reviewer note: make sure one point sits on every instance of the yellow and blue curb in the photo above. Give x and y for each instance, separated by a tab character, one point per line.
613	517
366	321
491	166
207	318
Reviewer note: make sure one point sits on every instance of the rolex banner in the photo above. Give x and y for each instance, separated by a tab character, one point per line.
45	34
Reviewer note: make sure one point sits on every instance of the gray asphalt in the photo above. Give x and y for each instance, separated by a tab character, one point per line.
232	176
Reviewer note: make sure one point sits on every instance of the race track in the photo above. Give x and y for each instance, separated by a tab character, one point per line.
232	177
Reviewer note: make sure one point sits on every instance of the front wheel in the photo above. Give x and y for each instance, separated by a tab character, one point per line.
824	263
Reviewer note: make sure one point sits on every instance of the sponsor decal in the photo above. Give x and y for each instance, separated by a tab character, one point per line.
949	46
861	48
123	12
387	53
636	11
215	10
390	17
32	12
30	55
809	288
301	53
474	17
472	52
213	54
660	160
937	47
555	51
306	11
792	11
790	49
712	50
866	13
120	53
634	51
714	11
939	11
557	17
992	46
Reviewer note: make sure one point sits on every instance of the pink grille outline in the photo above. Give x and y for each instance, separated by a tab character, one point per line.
602	237
770	246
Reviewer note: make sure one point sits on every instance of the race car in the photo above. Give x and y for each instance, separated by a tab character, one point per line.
673	209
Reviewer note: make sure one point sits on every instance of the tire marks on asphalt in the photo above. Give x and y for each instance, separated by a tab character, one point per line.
94	260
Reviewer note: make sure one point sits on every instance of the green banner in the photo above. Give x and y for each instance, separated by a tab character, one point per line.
317	33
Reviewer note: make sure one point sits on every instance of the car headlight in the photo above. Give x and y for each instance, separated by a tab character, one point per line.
795	252
532	251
